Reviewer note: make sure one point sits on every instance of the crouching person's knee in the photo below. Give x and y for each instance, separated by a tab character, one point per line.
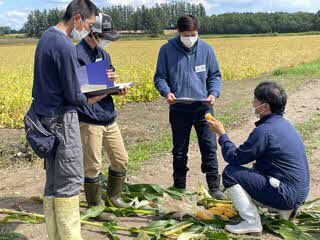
228	179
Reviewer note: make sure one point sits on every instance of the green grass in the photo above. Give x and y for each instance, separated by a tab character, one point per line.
8	235
144	151
306	69
12	36
258	35
310	132
143	36
234	113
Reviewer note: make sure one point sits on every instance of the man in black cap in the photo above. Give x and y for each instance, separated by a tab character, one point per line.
97	123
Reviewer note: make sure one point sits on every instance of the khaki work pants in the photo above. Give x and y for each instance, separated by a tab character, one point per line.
94	139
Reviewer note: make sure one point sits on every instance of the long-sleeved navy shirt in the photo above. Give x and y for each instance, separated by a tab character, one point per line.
278	150
102	112
191	74
56	88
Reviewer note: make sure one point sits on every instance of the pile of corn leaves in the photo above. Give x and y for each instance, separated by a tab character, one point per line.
144	199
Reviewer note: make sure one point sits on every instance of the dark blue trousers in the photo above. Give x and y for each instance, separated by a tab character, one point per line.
258	187
181	125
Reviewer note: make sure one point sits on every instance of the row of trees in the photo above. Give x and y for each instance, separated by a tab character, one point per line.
164	16
151	20
38	21
240	23
7	30
161	16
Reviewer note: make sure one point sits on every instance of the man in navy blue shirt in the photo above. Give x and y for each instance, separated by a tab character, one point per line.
187	68
56	95
98	124
279	179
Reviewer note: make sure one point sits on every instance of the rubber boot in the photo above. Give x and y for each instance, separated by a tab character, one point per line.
93	197
247	211
283	214
289	214
68	218
114	189
179	182
213	181
50	217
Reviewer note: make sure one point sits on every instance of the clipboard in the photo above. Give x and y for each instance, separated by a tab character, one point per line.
94	74
98	90
191	100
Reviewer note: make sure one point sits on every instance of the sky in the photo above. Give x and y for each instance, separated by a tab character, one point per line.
13	13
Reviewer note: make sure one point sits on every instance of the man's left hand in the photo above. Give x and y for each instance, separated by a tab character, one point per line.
212	100
112	75
216	126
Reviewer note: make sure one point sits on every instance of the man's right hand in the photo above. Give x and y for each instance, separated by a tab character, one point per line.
171	98
215	126
96	99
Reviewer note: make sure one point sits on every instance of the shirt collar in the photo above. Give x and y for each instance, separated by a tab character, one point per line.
59	30
265	118
87	46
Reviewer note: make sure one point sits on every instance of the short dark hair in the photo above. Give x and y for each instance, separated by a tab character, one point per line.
188	23
273	94
85	8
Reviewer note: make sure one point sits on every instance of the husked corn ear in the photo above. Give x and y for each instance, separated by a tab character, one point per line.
224	218
216	211
208	117
204	215
229	213
224	205
224	211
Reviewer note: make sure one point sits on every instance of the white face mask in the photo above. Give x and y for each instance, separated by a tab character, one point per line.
258	115
79	35
103	43
189	42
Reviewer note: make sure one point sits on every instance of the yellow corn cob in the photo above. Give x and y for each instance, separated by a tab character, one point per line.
209	117
223	205
204	215
229	213
224	211
216	210
224	218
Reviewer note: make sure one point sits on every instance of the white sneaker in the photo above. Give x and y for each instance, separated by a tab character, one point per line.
247	211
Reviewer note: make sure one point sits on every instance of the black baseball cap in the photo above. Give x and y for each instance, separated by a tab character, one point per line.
104	28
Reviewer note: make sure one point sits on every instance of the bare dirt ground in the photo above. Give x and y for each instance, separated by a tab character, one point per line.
19	185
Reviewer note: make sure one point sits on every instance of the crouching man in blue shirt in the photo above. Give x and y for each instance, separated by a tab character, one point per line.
279	178
187	68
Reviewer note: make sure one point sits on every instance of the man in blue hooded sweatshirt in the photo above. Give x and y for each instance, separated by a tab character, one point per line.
187	68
